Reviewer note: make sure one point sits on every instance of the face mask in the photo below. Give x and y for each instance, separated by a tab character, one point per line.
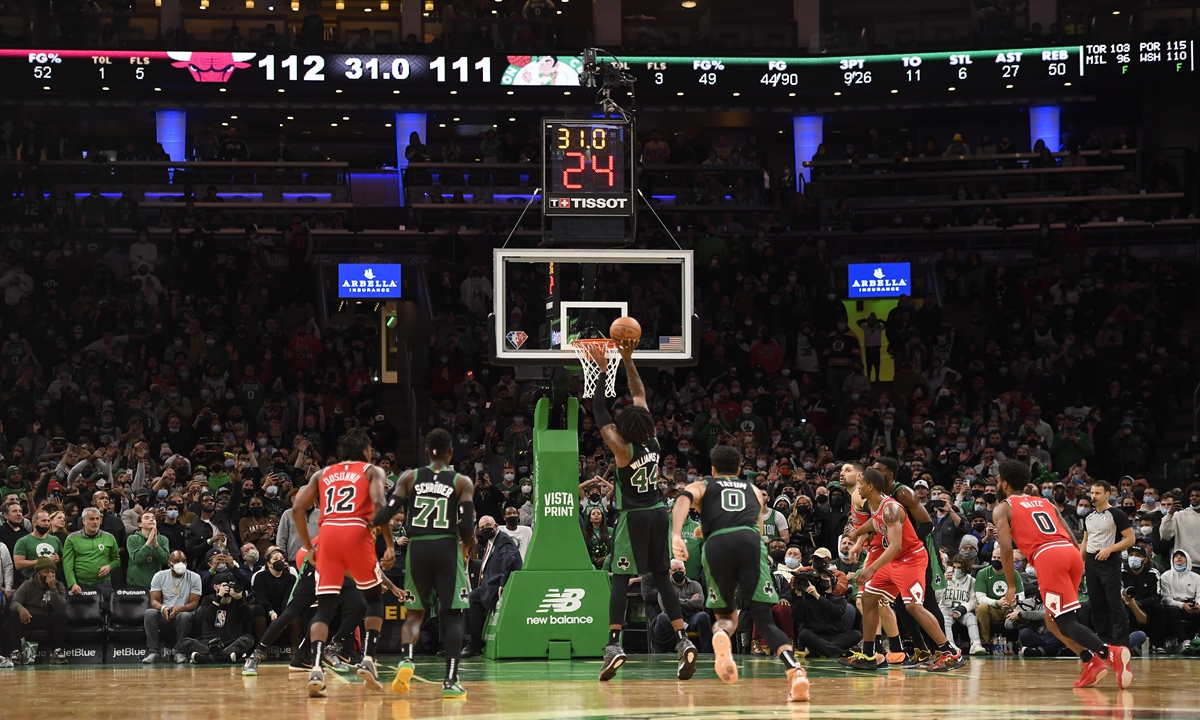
252	557
487	534
526	489
1047	493
968	553
179	568
222	567
989	497
41	529
1146	530
509	477
1135	562
162	494
510	523
594	497
791	562
958	574
776	556
761	464
997	565
1180	567
1195	507
684	449
679	576
172	514
1082	511
256	510
1060	498
216	428
980	528
279	565
808	465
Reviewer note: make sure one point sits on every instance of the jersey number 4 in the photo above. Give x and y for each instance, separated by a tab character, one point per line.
339	499
641	479
430	509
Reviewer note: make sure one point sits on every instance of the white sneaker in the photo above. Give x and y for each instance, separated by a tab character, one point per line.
6	663
977	649
150	659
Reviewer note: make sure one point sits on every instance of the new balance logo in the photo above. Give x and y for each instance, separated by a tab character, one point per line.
567	601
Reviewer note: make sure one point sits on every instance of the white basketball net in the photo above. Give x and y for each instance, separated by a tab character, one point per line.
591	371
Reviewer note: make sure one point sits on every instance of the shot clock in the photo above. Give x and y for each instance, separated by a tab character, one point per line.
586	168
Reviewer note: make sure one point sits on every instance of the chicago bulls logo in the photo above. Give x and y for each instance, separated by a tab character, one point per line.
211	66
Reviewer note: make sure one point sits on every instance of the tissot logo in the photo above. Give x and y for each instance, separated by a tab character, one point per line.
593	203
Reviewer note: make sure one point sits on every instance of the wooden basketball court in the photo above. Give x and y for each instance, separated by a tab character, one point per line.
645	688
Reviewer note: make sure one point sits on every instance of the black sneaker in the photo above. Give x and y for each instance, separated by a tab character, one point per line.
687	659
614	658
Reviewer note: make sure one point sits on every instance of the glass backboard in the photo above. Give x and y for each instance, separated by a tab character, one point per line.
545	299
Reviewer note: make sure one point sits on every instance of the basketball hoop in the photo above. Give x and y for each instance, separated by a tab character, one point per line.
591	371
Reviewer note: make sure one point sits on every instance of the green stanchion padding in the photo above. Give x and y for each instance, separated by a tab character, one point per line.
558	596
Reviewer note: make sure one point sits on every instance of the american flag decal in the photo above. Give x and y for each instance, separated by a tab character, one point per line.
670	342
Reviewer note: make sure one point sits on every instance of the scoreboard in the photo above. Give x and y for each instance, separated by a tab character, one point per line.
287	77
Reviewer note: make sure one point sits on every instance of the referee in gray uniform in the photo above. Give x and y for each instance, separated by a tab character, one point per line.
1107	532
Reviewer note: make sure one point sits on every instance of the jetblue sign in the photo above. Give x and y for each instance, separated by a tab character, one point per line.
878	280
364	282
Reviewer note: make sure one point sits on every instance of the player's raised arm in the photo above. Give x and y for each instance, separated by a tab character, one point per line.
636	389
604	420
1001	520
393	502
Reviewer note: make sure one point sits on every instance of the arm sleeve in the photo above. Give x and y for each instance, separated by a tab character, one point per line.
599	409
466	521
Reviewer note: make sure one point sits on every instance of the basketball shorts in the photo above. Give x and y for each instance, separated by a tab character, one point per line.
1059	570
901	579
346	550
736	566
640	544
434	574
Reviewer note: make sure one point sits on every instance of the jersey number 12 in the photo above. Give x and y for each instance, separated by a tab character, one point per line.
339	499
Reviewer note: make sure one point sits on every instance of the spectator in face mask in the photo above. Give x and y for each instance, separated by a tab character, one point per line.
521	534
169	525
691	602
174	596
258	528
958	602
1181	597
1143	601
226	621
990	589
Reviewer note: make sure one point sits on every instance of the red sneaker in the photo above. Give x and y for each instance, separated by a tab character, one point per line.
1094	671
1118	658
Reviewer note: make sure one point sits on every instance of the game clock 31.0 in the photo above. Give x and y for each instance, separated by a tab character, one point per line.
586	167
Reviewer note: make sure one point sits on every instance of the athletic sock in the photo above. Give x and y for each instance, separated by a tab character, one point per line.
318	652
370	638
788	659
1085	655
407	651
260	649
682	635
945	647
908	647
614	637
451	671
894	644
869	648
1103	652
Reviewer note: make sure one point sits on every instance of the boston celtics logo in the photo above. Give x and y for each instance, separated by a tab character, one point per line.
542	70
623	563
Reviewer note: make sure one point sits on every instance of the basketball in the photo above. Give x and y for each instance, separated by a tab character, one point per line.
625	328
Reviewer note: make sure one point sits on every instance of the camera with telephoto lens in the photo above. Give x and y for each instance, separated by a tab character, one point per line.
804	577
